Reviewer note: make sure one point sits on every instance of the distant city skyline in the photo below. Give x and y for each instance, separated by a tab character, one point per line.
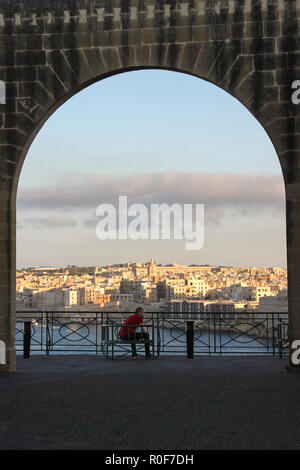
156	136
141	262
159	286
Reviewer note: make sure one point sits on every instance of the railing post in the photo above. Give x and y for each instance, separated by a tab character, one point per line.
157	335
26	339
280	337
190	339
153	337
48	337
215	345
273	334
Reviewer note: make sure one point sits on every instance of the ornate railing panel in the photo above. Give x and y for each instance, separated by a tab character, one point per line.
231	333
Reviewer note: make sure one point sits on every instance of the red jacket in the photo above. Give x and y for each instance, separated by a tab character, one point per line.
134	319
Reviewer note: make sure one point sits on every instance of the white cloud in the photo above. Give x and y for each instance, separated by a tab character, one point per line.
48	222
222	193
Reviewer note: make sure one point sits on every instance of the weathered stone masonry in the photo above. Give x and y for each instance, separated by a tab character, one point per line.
51	49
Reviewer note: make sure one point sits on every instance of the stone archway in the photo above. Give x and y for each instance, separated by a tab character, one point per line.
51	49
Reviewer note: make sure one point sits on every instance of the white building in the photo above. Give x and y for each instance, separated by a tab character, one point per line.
70	297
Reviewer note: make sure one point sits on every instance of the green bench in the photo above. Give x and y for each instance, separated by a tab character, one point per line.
114	347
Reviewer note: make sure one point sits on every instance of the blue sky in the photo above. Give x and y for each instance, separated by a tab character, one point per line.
138	124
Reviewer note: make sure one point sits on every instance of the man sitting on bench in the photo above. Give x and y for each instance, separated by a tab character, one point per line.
128	332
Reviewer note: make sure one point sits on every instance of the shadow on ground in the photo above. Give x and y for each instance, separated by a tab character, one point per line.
88	402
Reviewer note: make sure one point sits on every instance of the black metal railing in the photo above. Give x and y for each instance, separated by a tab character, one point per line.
229	333
190	334
60	332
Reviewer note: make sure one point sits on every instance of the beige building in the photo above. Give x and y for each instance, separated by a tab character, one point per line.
263	291
86	295
148	294
121	297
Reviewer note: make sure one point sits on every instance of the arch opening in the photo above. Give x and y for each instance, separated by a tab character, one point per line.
235	185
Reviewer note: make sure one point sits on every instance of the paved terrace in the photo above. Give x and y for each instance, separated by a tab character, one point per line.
89	402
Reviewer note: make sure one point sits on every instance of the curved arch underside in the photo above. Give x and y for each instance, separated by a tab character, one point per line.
52	49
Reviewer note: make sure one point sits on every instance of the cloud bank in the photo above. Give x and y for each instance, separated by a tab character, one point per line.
49	222
220	192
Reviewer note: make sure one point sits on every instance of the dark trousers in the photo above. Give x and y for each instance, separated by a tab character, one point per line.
138	336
